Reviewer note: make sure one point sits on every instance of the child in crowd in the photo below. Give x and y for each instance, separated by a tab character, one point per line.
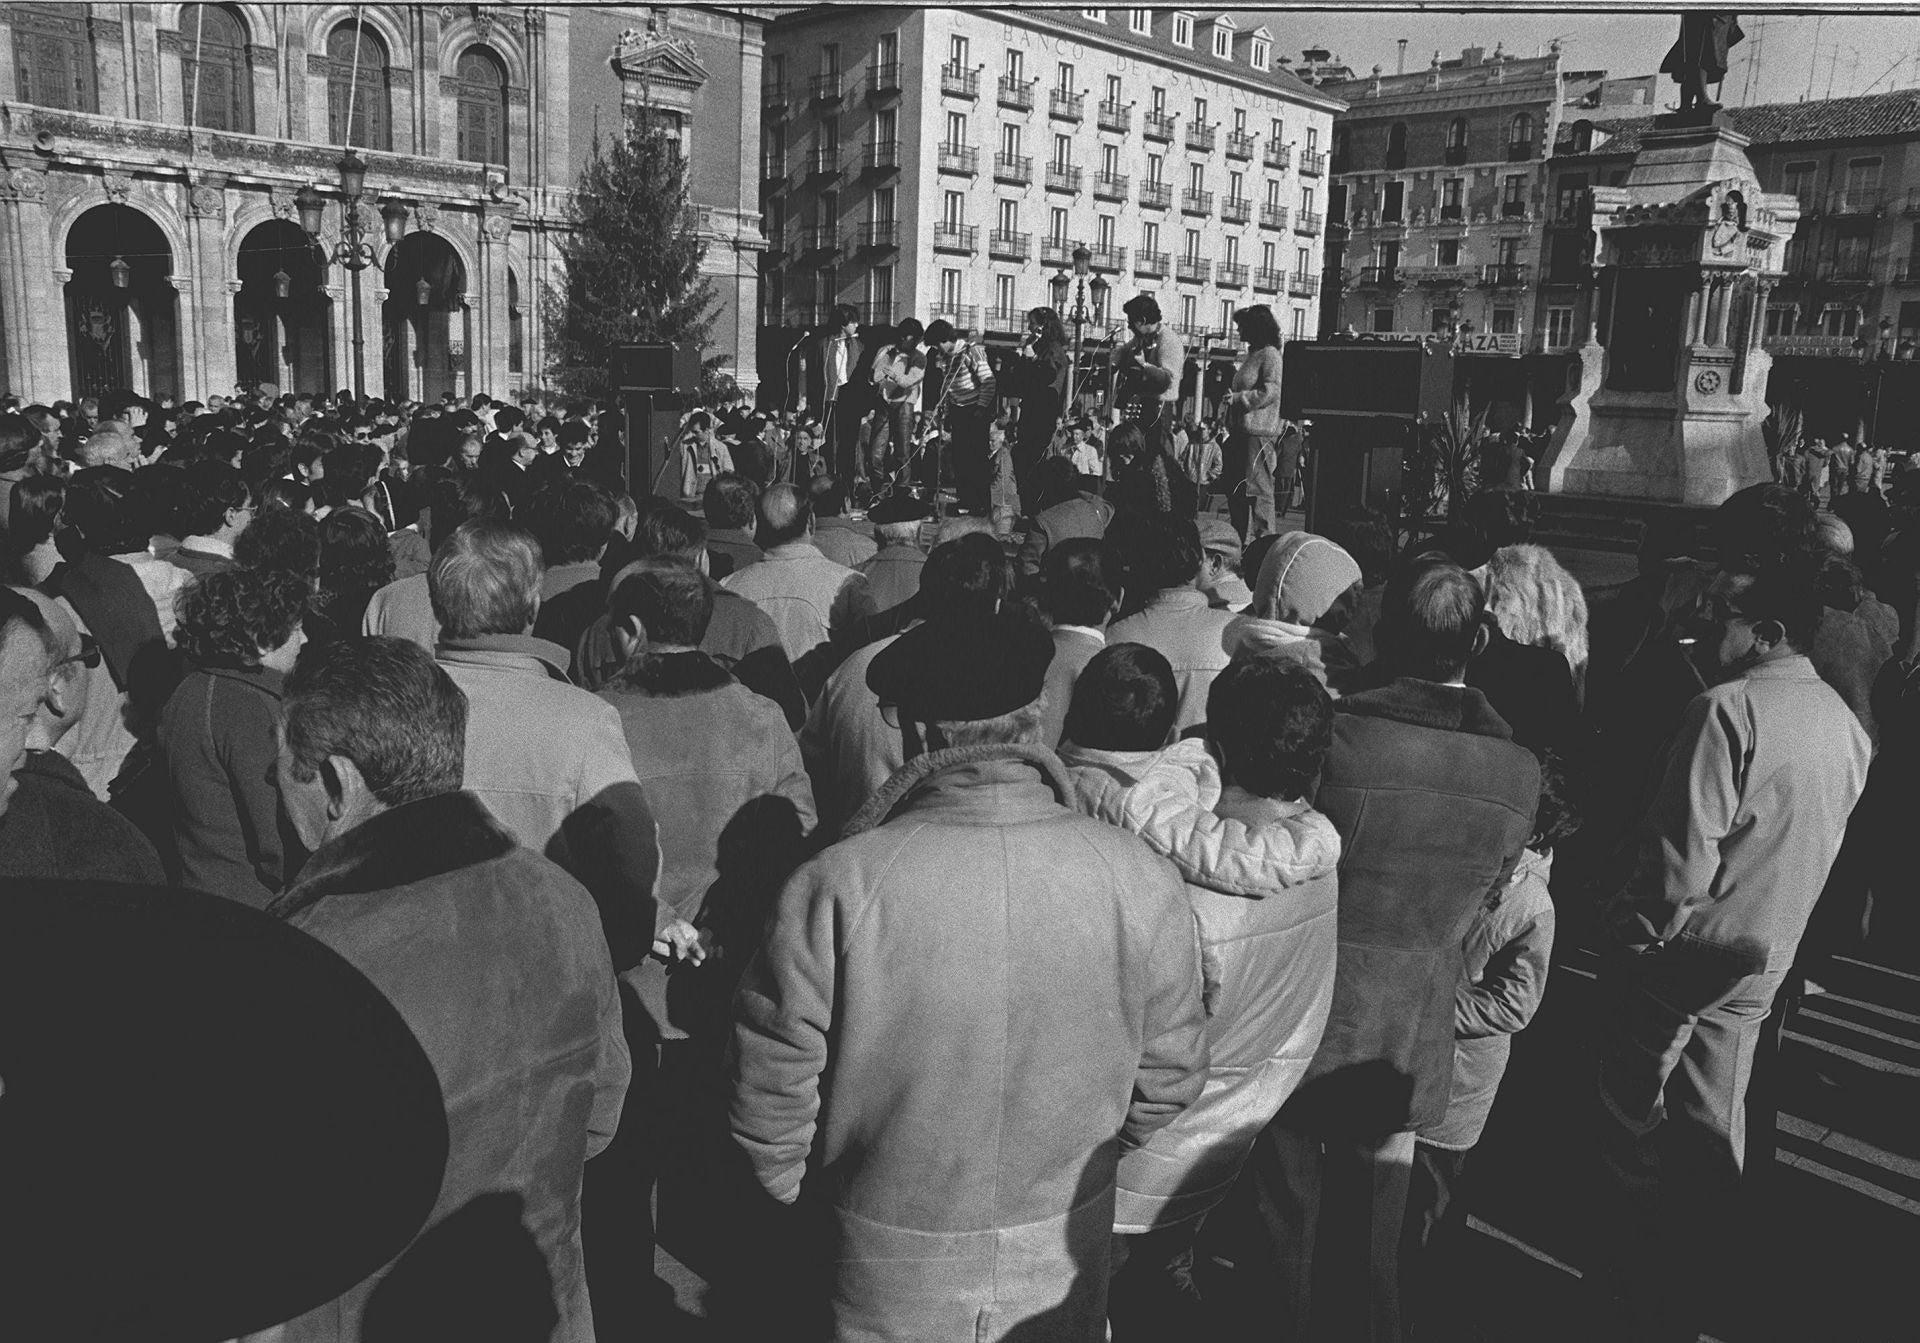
1508	948
1231	813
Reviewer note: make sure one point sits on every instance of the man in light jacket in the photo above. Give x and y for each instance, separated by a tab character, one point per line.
1166	567
957	1127
814	602
494	957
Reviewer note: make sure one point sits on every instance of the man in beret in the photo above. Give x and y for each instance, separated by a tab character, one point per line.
893	571
965	1011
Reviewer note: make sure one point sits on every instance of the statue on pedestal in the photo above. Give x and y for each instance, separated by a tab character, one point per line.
1699	58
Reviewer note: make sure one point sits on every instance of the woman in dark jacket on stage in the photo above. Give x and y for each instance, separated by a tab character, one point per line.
1042	366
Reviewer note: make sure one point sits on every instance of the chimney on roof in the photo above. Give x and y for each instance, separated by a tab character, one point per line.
1400	66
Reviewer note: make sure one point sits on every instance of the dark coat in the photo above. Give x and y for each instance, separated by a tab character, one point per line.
217	740
1532	690
111	599
495	958
55	827
1434	804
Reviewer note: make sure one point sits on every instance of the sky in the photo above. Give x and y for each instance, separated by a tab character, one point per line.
1836	52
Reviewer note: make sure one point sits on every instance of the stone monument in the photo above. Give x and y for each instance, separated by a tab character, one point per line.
1672	376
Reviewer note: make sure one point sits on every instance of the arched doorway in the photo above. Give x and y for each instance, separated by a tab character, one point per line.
123	326
280	314
424	320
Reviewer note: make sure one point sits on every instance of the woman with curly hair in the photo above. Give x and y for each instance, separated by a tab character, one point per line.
355	563
1044	362
240	630
1536	601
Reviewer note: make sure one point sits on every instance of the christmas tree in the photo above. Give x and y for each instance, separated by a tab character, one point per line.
631	263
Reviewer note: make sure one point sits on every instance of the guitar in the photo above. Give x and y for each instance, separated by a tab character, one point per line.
1136	390
893	374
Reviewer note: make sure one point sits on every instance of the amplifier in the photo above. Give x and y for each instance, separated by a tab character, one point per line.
1404	379
656	368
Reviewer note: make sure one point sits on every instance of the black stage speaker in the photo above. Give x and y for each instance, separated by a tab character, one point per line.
653	423
656	368
1405	379
1355	462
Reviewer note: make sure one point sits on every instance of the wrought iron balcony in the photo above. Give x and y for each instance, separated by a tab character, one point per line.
1066	105
1006	319
1108	257
823	163
773	96
1157	126
1114	116
956	238
1193	270
1017	93
883	81
1278	157
1230	275
1064	177
875	314
828	88
1016	168
1202	138
1306	222
1156	195
1273	216
1196	202
1302	285
1379	277
1056	252
1454	155
1012	246
1235	209
1505	274
956	81
1239	145
1155	264
883	156
879	235
1267	281
1110	186
962	315
773	169
821	239
961	159
1314	165
1449	274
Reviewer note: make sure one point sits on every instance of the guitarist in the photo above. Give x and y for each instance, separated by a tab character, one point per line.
1148	371
899	370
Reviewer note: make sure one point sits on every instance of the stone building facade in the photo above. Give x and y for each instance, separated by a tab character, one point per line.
152	157
946	163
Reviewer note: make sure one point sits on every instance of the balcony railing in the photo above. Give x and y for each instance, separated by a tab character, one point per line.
1157	126
1379	277
1064	177
962	159
1016	168
1056	252
1013	246
1235	209
1239	145
1454	155
1114	116
1066	104
1154	264
1278	157
1314	165
1017	93
828	88
1156	195
1829	347
1302	285
1266	281
1858	201
1451	214
1202	138
773	95
1110	186
1230	275
956	81
1006	319
1193	270
1447	274
883	81
962	315
1108	257
1273	216
878	235
773	169
883	156
1307	222
1392	221
1196	202
818	239
956	238
875	314
1846	272
823	163
1505	274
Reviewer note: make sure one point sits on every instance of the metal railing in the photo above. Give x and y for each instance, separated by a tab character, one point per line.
1064	177
962	315
1239	145
1314	165
1114	116
1006	319
1066	104
1110	186
883	156
1856	201
1302	285
1267	281
956	237
1504	274
875	314
773	168
1151	263
957	81
1273	216
1230	275
878	234
1196	202
1235	209
1519	151
1157	126
1013	168
1013	246
828	88
823	163
1452	214
1513	209
1306	222
1193	270
964	159
1108	257
1278	157
1379	277
1017	93
883	81
1202	138
1156	195
773	95
1056	252
1454	155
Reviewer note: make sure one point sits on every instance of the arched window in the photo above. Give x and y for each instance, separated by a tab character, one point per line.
359	108
1457	133
481	86
1397	145
1520	132
214	70
53	58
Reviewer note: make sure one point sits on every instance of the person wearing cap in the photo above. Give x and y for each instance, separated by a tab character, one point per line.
1304	595
957	1125
1169	612
494	958
893	571
1220	579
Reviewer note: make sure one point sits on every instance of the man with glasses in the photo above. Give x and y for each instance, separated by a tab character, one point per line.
51	824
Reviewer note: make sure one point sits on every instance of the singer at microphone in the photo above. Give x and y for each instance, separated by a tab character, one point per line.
1041	368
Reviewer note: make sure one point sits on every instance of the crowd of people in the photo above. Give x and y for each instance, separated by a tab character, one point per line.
1103	915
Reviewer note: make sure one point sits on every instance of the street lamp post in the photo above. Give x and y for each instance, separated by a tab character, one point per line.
1077	283
353	252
